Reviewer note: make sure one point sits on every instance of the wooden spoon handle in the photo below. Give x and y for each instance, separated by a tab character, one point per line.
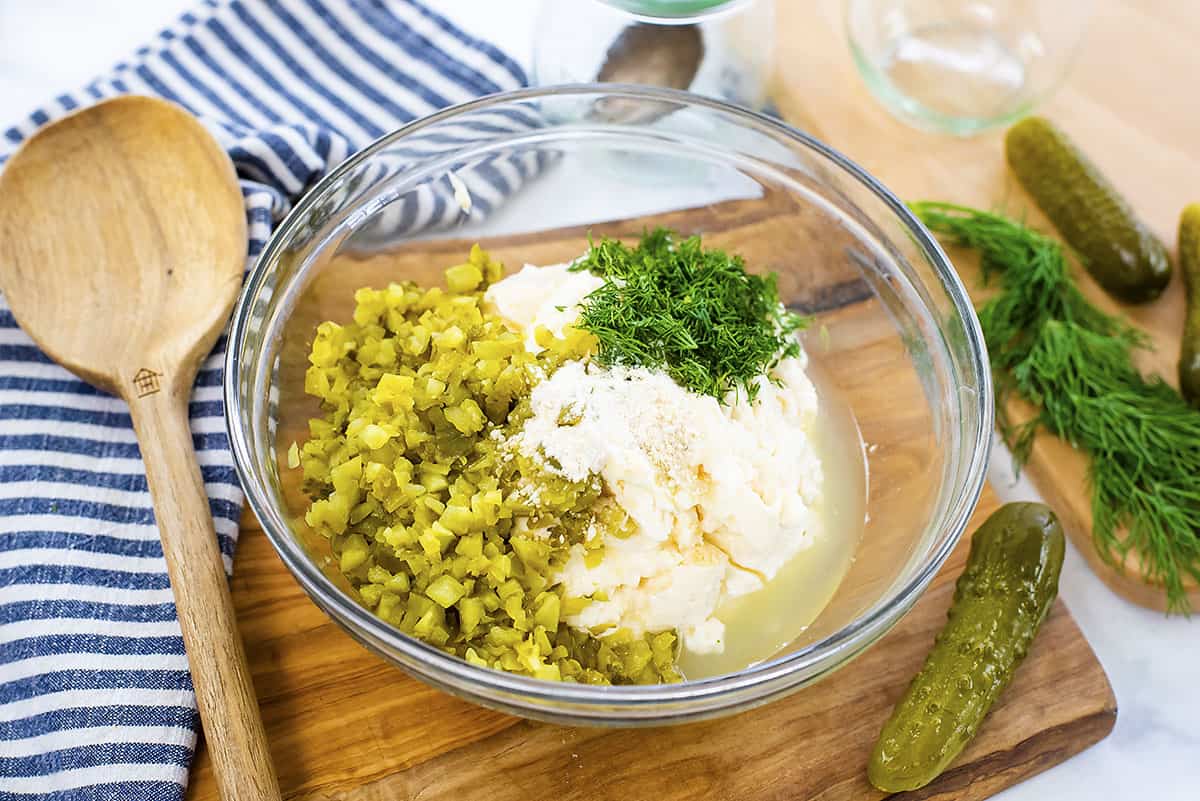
233	727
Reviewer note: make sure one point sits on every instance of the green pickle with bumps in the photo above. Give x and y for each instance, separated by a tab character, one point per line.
442	530
1004	593
1189	265
1114	245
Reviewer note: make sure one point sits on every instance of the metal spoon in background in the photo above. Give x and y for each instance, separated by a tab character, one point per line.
650	55
122	244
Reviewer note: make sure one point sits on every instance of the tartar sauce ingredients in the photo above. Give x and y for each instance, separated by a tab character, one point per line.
695	313
721	496
503	473
1051	346
429	514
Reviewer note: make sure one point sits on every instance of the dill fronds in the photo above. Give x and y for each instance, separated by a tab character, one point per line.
1052	347
693	312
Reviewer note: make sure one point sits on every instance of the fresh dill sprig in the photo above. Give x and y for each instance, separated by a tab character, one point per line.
1052	347
695	313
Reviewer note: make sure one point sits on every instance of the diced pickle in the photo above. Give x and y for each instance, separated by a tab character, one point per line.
414	486
463	277
445	590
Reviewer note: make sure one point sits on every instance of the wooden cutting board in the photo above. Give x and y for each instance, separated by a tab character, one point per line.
345	725
1130	103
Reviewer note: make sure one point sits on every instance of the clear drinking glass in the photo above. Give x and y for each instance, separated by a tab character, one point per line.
719	48
894	337
963	66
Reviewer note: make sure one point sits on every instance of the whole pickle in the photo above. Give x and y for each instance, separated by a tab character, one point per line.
1002	597
1115	247
1189	265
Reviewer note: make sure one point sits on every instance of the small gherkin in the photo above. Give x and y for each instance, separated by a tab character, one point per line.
1004	593
1115	247
1189	265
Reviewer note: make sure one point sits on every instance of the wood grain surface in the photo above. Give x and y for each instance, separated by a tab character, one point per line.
1130	103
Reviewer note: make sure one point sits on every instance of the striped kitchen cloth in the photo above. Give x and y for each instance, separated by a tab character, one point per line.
95	698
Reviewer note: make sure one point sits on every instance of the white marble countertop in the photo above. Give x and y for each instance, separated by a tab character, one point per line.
47	46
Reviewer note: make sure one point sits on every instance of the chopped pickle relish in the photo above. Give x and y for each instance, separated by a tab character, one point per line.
442	529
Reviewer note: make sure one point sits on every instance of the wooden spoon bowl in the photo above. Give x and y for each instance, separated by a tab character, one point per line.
116	260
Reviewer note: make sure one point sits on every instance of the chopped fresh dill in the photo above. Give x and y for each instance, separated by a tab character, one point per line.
1053	348
693	312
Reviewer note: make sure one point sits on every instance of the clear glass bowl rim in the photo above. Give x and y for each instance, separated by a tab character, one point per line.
770	677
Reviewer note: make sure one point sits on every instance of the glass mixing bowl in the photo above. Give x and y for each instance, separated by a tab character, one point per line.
527	175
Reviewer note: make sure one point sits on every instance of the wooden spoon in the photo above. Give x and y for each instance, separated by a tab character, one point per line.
122	244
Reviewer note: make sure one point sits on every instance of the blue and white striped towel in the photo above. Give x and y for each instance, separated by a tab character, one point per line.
95	699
